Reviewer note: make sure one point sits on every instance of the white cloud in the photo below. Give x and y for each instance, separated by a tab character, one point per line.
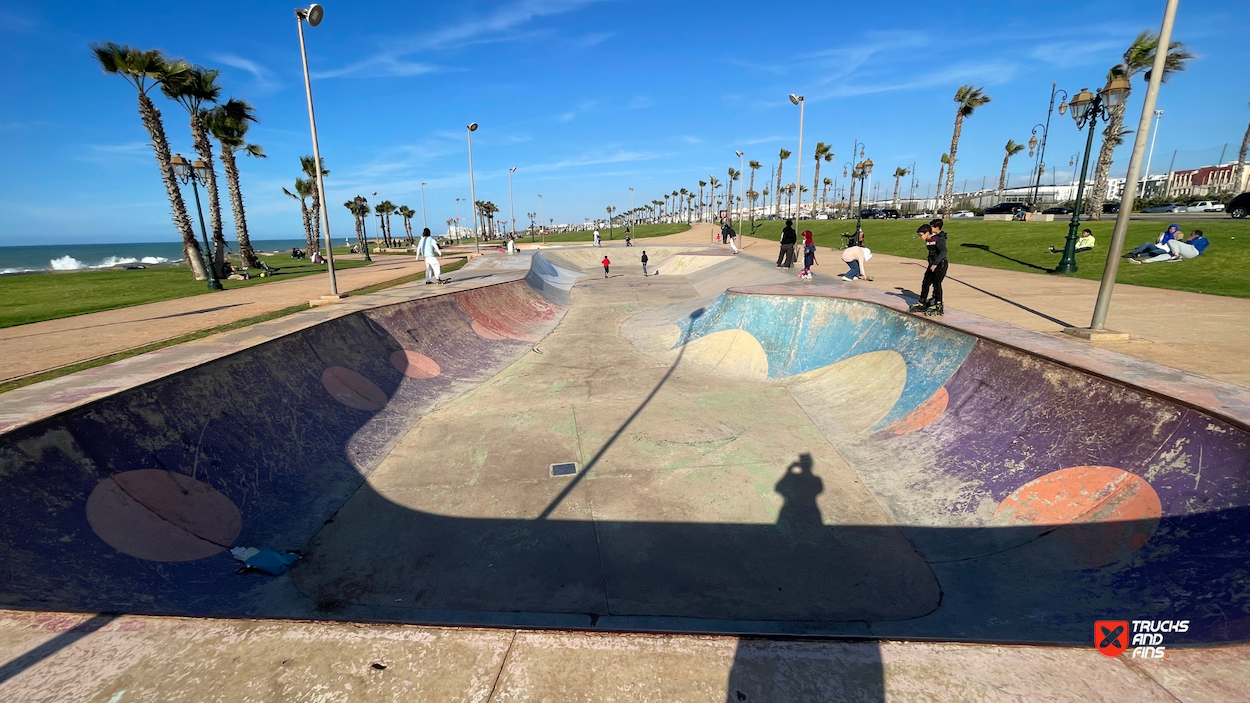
263	76
591	39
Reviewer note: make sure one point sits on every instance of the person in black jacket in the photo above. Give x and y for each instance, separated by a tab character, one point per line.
935	270
785	258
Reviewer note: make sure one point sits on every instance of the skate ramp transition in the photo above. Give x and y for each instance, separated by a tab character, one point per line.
1025	498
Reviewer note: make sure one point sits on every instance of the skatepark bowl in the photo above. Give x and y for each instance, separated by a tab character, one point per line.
770	459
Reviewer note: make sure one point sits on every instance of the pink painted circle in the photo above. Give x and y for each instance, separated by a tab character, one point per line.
414	364
1104	514
485	333
162	516
352	389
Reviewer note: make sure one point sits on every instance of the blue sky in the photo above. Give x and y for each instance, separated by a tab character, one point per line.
586	99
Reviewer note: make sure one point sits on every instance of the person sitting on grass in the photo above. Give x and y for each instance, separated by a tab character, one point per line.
1085	243
1159	246
1178	250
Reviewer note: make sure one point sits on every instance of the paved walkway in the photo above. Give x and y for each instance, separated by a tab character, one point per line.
39	346
1204	334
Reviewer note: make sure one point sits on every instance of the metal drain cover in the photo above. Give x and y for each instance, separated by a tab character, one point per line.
565	469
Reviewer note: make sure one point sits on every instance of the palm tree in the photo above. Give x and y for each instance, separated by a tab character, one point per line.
1240	172
359	208
1138	58
193	88
1012	148
306	164
685	202
967	99
385	209
702	185
729	190
899	172
228	123
145	70
713	183
824	192
754	166
407	213
783	154
304	189
823	153
946	159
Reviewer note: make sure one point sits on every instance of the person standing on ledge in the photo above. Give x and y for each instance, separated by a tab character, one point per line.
935	271
428	249
785	258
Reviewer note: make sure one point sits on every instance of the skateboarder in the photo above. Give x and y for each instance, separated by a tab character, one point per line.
728	235
606	264
428	249
644	262
935	240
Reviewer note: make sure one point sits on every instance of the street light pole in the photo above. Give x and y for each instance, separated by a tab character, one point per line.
1105	288
1157	114
865	170
1041	154
633	216
314	14
470	129
541	218
742	161
511	202
798	211
424	222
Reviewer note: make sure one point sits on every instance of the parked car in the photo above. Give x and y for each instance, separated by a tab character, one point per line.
1110	208
1207	206
1057	210
888	214
1167	207
1004	209
962	213
1239	206
920	215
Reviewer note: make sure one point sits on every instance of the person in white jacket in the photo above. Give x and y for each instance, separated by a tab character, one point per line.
428	249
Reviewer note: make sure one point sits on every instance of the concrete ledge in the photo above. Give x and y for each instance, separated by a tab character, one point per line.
327	300
1096	335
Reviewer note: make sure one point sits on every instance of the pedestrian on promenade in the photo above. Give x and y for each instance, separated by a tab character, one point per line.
935	270
598	242
644	262
606	264
785	258
428	250
728	235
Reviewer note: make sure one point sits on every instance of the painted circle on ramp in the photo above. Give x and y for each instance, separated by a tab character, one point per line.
162	516
352	389
924	415
414	364
1102	513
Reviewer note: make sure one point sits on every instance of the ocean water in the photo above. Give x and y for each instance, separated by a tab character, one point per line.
71	257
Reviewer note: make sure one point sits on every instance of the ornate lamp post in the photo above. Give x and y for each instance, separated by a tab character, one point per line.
313	15
798	211
193	174
1040	163
1086	108
862	170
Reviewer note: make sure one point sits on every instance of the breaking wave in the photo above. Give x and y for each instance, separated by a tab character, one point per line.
69	263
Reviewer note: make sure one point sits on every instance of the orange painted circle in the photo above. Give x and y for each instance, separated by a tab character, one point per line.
414	365
926	414
1103	513
485	333
162	516
352	389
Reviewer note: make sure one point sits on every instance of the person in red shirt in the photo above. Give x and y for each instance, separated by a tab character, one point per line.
606	264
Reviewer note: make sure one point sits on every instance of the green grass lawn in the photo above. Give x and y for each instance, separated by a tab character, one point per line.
33	297
1021	246
639	232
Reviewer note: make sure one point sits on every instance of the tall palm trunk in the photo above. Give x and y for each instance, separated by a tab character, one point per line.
151	116
1002	178
850	198
777	208
314	211
1113	134
896	190
309	242
199	137
231	168
948	199
816	185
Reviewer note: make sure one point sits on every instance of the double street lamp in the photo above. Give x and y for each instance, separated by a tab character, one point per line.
1040	163
193	174
861	171
1086	108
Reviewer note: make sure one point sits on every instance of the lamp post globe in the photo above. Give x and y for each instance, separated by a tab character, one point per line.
314	14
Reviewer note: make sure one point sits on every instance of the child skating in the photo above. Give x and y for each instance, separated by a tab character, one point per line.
606	264
809	256
935	270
